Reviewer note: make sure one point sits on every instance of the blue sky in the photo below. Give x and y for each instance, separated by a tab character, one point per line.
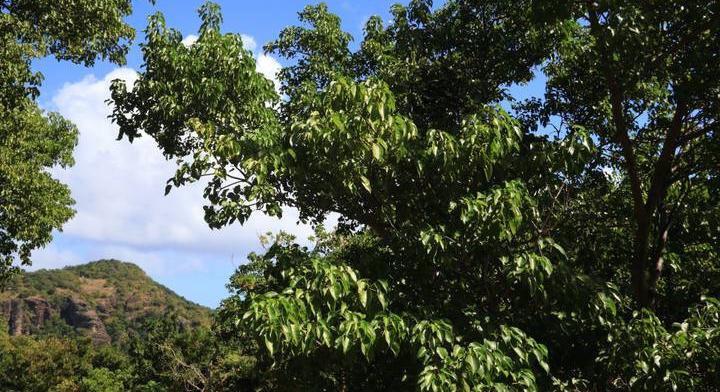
261	20
121	210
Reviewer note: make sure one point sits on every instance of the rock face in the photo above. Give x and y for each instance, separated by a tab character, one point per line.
26	315
79	315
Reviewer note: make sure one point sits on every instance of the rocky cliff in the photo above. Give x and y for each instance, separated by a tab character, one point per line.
104	300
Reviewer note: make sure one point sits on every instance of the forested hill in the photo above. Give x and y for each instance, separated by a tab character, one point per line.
104	300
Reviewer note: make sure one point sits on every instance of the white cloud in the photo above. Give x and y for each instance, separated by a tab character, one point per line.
268	66
248	42
119	188
189	40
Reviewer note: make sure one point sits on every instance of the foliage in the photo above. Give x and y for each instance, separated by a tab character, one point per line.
648	356
32	202
50	364
164	358
167	358
474	250
638	76
326	306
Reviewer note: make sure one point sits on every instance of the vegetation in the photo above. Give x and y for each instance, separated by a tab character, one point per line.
163	358
566	242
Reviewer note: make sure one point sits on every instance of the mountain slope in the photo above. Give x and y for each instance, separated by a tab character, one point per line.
104	300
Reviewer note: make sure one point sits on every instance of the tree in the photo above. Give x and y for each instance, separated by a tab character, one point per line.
640	76
167	357
102	380
50	364
33	203
473	251
59	363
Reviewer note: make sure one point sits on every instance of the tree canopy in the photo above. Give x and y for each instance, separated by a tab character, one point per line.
32	202
568	243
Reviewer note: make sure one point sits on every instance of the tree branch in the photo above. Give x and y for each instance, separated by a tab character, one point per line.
663	167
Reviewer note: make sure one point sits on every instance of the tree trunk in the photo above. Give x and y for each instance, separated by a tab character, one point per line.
640	280
646	268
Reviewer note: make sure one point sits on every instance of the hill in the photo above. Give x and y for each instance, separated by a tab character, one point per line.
104	300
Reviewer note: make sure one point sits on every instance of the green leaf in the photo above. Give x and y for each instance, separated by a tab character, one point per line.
362	292
381	299
338	122
366	183
269	345
345	344
473	361
377	152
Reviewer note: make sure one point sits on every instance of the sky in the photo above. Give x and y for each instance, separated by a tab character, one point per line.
122	212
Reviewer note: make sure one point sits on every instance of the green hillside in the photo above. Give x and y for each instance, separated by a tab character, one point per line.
103	300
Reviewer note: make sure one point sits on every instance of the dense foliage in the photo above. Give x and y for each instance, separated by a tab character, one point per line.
163	358
571	243
32	202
